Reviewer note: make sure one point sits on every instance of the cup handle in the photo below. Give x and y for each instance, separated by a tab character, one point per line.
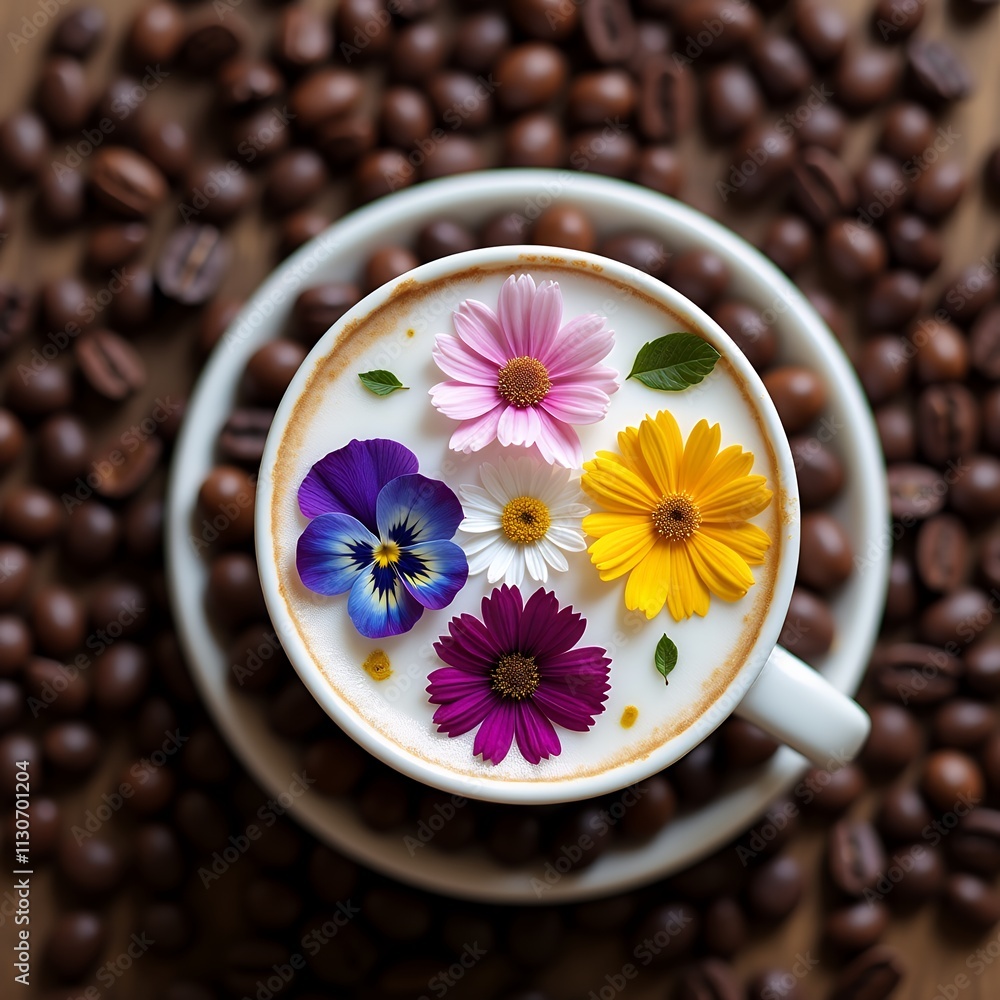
796	705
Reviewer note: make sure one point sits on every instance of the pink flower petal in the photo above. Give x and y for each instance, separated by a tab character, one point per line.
514	312
496	733
463	402
460	362
473	435
558	442
546	317
519	425
478	327
576	404
536	736
598	376
582	342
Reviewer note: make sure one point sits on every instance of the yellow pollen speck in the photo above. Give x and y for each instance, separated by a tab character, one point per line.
523	381
376	665
411	332
676	517
629	715
525	520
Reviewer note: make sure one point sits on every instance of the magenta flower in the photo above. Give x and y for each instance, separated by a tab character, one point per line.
515	673
521	376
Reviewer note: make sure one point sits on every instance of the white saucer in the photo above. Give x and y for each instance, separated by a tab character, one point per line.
339	254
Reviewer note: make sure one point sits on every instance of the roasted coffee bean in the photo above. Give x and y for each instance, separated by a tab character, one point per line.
873	975
972	901
262	132
226	502
11	438
327	93
789	242
209	41
406	116
71	747
529	76
299	228
746	745
725	927
61	198
975	492
110	364
942	353
774	983
781	65
659	168
565	225
534	140
913	243
948	422
854	253
166	143
822	28
75	943
609	29
92	865
244	434
454	154
80	31
865	77
24	142
62	450
798	395
907	130
963	724
918	874
460	101
132	307
775	887
302	37
121	676
883	366
819	471
443	237
958	616
49	389
942	553
965	296
63	95
115	243
641	251
975	843
709	979
318	308
156	34
951	778
126	182
984	343
756	339
896	18
938	190
762	141
896	739
216	192
270	369
31	515
386	264
914	673
192	264
368	20
214	321
982	666
120	606
234	593
825	554
596	96
678	922
737	24
855	856
857	926
245	82
699	274
294	178
421	49
732	100
916	491
654	810
897	432
666	100
893	299
903	815
939	74
124	472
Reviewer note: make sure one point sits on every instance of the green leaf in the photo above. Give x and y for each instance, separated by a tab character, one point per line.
381	382
666	657
674	362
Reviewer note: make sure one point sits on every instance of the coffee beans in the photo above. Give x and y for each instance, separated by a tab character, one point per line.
529	76
873	975
856	858
125	182
938	73
798	395
942	553
192	264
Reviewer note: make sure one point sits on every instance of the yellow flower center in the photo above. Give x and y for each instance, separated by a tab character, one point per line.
523	381
386	554
515	676
525	520
377	666
676	517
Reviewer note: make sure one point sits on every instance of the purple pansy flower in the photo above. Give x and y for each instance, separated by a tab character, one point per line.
380	531
515	673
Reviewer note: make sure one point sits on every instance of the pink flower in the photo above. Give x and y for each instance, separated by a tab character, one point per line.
521	376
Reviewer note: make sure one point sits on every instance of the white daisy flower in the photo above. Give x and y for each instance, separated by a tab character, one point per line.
521	520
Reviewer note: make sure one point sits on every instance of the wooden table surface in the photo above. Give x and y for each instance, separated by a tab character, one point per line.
934	955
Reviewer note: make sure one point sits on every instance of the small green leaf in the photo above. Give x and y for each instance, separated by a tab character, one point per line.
674	362
381	382
666	657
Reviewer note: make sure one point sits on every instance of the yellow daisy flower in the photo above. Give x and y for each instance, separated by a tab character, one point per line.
675	517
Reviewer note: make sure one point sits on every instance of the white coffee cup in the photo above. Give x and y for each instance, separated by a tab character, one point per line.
326	406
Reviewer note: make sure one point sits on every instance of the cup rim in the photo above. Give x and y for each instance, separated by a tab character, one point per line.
519	257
